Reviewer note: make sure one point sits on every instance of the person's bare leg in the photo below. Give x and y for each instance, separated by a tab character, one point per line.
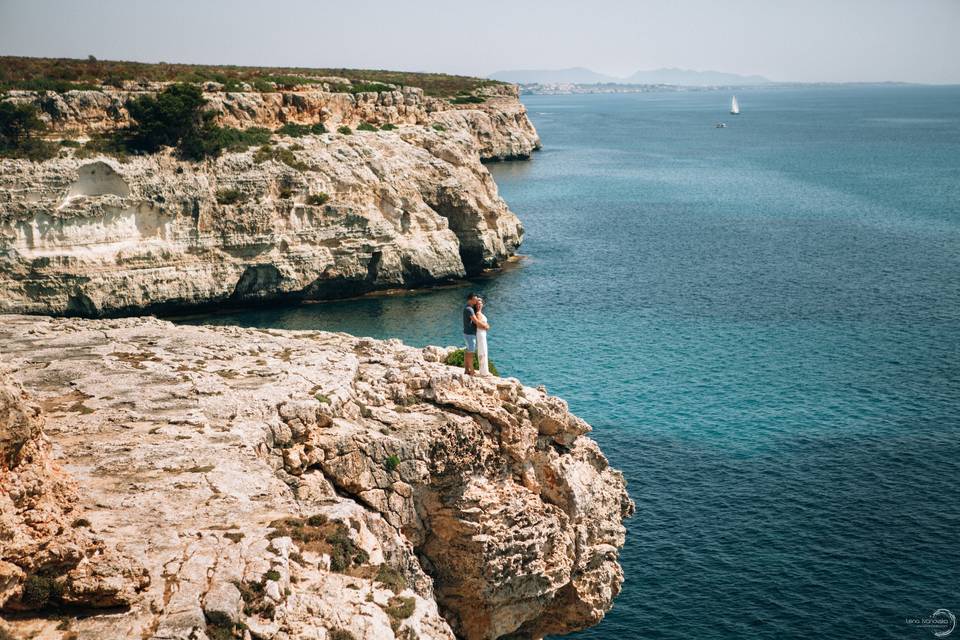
468	363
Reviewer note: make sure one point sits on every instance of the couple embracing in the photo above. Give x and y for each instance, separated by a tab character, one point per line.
475	327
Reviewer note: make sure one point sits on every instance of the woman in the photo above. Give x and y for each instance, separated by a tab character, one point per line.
482	326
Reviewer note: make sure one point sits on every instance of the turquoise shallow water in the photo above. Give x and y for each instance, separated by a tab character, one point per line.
762	323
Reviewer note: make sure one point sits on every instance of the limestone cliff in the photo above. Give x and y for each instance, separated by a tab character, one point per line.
285	485
316	217
499	124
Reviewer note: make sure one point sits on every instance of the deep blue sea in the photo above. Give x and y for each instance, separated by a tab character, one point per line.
762	324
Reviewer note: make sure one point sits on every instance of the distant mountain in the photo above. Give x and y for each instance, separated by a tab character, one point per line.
581	75
688	77
574	75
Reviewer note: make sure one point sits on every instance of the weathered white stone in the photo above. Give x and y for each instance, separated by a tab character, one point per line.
510	516
407	208
223	603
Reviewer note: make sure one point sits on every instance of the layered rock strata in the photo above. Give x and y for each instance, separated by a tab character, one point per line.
289	485
101	237
315	217
499	124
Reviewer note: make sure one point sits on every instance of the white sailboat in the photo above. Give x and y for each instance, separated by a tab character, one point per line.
734	107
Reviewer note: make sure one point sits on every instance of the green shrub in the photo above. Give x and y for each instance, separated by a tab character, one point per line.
264	153
344	553
345	130
392	462
289	158
167	118
108	143
263	86
438	126
230	196
73	144
221	630
231	139
468	100
33	149
280	154
299	130
230	85
175	118
366	126
455	359
293	130
20	126
388	127
341	634
400	608
39	590
253	601
391	577
367	87
211	141
317	520
360	87
50	84
273	574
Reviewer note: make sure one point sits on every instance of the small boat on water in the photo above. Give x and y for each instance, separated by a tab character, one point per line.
721	125
734	107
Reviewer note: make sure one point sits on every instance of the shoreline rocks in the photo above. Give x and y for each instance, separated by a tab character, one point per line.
328	482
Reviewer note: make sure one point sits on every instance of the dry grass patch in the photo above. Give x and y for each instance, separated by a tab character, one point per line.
320	535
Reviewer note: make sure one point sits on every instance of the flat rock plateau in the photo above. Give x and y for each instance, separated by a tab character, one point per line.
319	216
164	481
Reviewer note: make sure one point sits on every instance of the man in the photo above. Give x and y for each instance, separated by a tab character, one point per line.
470	332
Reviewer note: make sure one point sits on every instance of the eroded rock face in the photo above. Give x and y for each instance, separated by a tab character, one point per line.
48	554
100	237
456	506
321	216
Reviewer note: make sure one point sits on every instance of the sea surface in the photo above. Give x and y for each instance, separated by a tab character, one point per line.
762	324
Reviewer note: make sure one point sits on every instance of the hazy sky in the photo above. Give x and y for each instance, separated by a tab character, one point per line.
804	40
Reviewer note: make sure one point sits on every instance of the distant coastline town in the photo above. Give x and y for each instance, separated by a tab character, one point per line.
582	80
563	88
566	88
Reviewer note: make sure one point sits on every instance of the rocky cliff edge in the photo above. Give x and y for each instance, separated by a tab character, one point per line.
227	482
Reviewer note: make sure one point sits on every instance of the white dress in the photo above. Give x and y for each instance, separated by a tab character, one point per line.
484	361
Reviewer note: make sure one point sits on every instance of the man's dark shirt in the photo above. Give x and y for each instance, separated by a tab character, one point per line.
468	327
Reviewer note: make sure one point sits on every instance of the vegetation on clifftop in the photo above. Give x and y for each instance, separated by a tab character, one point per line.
20	131
456	357
64	74
176	117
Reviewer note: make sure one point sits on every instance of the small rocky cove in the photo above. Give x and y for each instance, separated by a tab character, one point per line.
167	482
